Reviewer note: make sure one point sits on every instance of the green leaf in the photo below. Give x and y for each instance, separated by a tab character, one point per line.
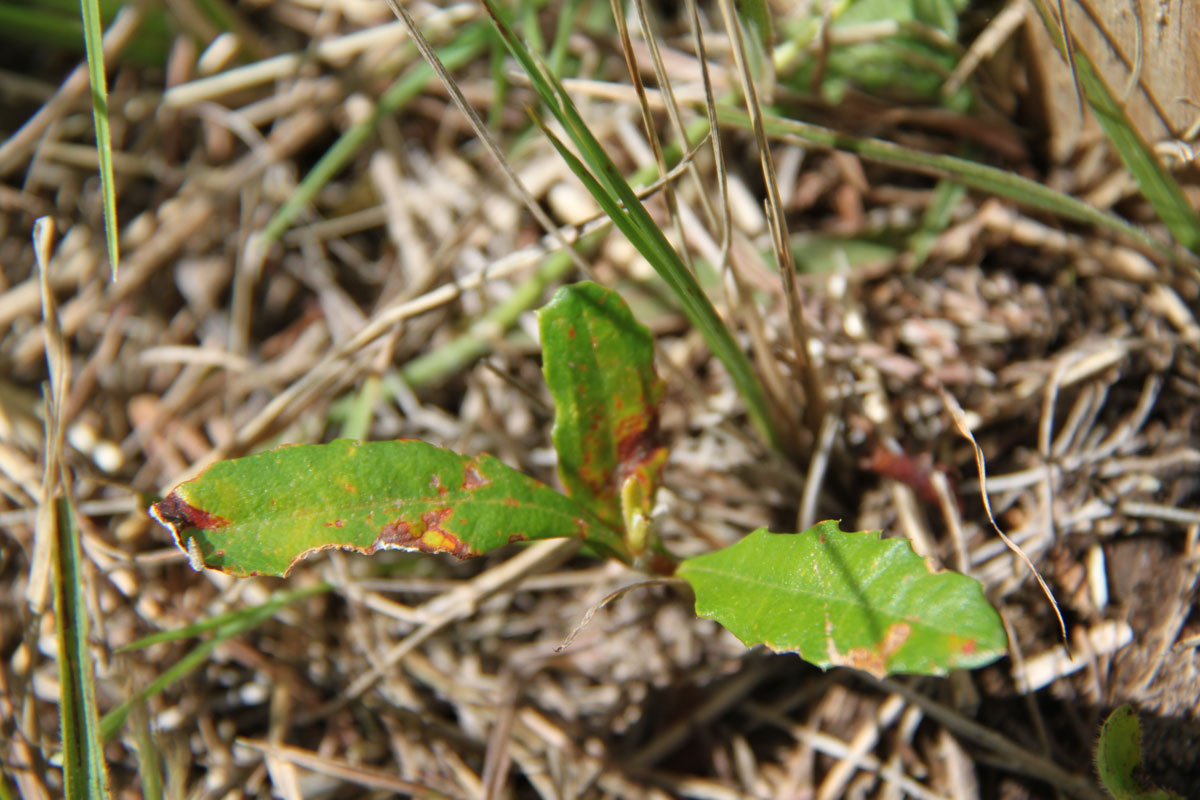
847	599
599	365
261	514
909	64
1119	757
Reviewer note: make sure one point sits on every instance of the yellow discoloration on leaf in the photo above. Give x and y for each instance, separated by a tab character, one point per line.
874	659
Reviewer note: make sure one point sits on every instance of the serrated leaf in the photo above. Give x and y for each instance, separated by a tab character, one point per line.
847	599
599	364
1119	757
261	514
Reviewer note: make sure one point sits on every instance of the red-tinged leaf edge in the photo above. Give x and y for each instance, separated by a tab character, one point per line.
599	366
263	514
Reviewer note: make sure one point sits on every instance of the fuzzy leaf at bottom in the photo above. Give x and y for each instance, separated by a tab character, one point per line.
261	514
1119	758
847	599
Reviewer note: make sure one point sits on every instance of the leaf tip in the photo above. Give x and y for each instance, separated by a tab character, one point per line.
177	514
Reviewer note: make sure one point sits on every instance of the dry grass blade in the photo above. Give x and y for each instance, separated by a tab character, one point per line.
635	76
769	367
1069	50
482	132
960	422
343	772
459	603
999	29
85	772
609	598
17	147
38	588
1013	756
814	408
466	47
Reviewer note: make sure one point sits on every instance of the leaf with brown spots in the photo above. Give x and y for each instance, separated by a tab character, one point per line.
599	364
847	599
261	514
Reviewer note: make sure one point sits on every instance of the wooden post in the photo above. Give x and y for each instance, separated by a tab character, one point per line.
1108	31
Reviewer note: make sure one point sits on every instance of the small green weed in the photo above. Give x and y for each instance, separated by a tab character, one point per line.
835	598
1119	757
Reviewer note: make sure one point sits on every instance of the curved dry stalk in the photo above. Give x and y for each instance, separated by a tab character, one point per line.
960	422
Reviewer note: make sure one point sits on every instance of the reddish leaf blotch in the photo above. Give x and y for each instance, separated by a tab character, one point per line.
428	537
177	514
472	479
874	659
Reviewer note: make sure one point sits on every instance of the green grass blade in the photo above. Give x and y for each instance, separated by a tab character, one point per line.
432	367
562	34
946	197
7	791
614	194
528	13
969	173
500	85
245	620
149	759
84	774
1158	186
362	408
463	49
756	14
224	627
92	39
277	601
